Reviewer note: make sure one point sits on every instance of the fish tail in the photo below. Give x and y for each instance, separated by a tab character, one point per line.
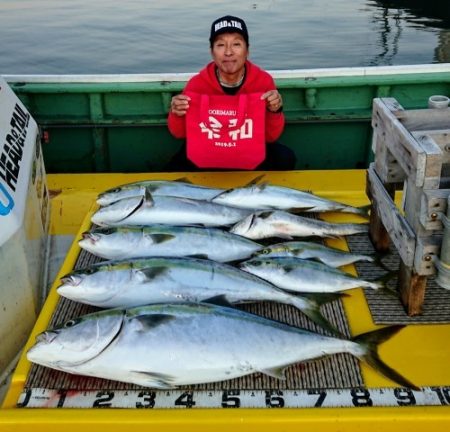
363	211
361	227
312	310
352	228
377	259
381	283
369	343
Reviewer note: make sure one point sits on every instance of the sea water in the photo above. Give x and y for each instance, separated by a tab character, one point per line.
141	36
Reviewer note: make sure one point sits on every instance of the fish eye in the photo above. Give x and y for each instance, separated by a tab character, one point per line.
89	271
107	231
70	323
265	251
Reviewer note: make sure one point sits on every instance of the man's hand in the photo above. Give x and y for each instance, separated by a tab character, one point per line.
179	105
273	100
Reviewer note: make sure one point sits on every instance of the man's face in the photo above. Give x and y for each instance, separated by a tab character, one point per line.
229	53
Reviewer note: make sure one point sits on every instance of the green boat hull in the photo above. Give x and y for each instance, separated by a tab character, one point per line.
118	123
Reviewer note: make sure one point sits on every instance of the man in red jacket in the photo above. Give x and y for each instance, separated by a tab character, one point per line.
231	73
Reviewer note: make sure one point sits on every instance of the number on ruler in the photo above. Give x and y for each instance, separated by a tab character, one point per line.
231	402
405	397
103	399
322	395
148	399
186	399
274	399
361	397
443	394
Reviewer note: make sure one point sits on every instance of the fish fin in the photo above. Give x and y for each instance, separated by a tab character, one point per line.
323	298
199	256
370	342
260	186
160	238
312	310
277	372
264	214
141	203
152	320
183	180
284	236
148	199
255	180
155	380
218	300
289	268
333	236
296	210
316	259
152	272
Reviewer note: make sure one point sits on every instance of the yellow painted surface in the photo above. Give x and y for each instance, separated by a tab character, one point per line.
420	352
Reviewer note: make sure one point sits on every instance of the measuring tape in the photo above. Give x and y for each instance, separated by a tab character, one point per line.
331	398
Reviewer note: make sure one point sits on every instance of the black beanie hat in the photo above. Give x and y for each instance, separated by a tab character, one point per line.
228	24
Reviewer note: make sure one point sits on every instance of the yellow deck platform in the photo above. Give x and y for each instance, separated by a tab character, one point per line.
420	352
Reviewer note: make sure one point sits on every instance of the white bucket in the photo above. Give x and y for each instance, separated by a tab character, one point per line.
438	101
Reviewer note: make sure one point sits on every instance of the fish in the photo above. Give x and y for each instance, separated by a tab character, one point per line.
299	275
179	188
165	346
312	250
166	240
148	210
282	224
144	281
265	196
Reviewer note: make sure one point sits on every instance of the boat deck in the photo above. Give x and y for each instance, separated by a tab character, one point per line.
420	351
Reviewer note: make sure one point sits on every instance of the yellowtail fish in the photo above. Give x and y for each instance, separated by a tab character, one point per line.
179	188
264	196
285	225
147	210
315	251
167	240
170	345
299	275
168	279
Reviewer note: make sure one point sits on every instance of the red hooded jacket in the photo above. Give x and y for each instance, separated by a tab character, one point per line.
205	82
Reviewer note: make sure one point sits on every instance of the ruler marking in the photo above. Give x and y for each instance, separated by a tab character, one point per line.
234	399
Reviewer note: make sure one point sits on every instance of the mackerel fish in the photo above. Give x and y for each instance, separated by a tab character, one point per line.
311	250
264	196
167	240
177	188
157	280
169	345
278	223
148	210
299	275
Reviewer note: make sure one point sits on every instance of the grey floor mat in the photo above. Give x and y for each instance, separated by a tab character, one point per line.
387	309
